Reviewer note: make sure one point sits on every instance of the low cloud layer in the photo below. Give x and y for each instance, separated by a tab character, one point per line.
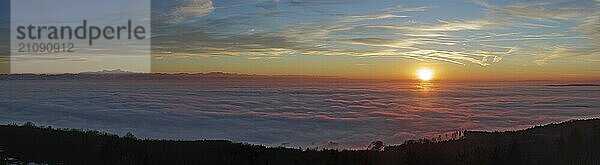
351	114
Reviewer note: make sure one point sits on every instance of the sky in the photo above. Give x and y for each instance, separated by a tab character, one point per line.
459	40
508	40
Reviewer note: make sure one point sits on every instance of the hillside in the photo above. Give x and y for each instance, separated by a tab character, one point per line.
571	142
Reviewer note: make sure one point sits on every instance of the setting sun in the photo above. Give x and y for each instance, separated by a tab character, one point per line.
425	74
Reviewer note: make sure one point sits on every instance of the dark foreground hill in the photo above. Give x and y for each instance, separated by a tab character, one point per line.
571	142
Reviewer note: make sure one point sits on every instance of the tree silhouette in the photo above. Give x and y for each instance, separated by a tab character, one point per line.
572	142
376	146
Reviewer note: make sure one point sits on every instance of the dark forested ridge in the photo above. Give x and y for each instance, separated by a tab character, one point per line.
571	142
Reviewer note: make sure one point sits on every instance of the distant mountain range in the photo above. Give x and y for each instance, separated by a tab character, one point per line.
119	74
573	85
116	71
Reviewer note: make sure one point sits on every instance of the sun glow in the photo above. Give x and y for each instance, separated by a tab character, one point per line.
425	74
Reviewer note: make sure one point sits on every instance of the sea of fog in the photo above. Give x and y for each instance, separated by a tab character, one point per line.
342	114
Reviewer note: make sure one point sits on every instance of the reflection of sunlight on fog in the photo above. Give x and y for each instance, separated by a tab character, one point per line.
424	92
425	86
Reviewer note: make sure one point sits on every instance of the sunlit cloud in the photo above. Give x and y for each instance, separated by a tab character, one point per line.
387	13
581	16
382	42
442	26
187	9
590	25
546	10
555	53
405	41
371	17
584	14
